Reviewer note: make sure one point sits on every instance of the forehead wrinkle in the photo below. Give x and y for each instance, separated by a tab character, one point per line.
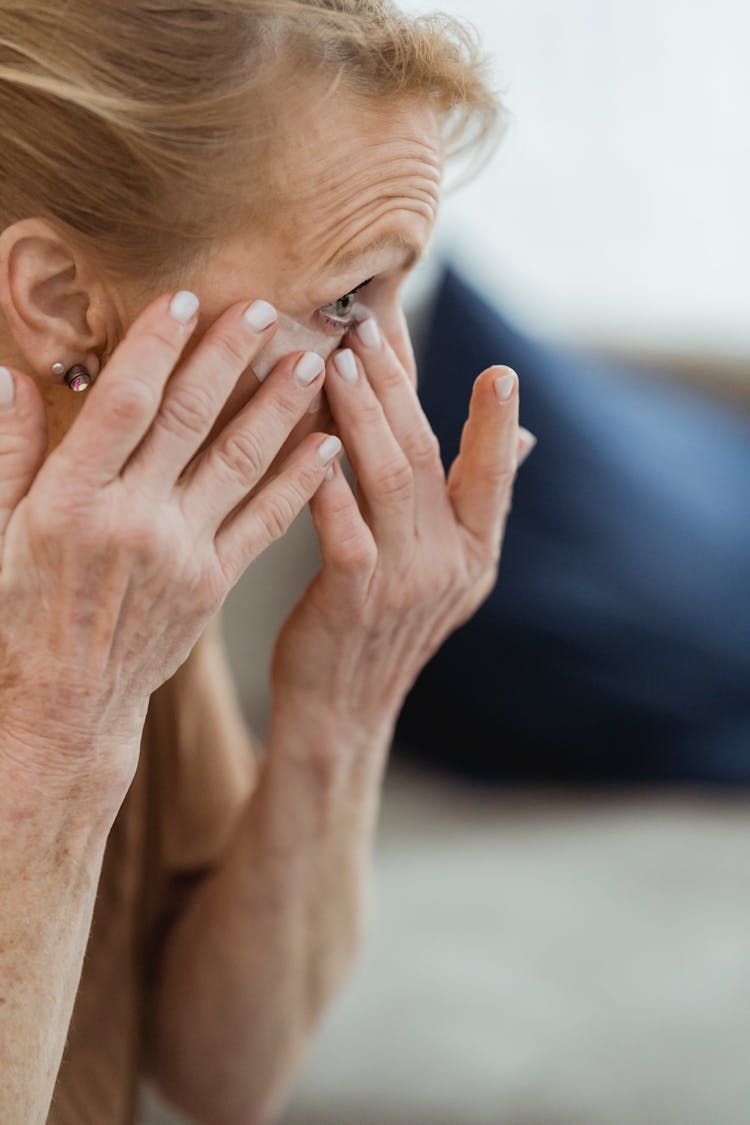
342	217
399	167
367	151
363	222
364	166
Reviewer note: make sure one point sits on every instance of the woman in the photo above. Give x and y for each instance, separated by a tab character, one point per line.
167	168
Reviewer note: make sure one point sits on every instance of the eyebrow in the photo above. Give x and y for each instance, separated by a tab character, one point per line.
413	251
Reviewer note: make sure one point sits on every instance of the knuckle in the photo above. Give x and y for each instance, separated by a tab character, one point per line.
159	344
283	410
307	480
355	552
424	449
396	480
278	515
58	513
52	524
131	401
370	413
241	456
187	410
142	539
231	350
286	405
499	475
392	377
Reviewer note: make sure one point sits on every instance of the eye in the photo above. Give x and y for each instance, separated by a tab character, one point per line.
340	313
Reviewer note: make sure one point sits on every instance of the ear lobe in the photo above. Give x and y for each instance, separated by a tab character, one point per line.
43	294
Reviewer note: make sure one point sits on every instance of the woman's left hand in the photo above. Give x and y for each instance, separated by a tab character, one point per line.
411	556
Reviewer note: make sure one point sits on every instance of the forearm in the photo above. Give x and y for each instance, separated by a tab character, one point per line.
50	863
266	941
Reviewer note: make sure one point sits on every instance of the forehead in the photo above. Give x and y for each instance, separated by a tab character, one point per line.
351	173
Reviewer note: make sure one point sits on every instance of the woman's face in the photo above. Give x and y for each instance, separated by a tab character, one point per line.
361	202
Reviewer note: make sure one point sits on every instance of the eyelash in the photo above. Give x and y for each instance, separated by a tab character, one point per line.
345	320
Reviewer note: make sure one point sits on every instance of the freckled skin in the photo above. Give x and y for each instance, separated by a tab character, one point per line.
350	175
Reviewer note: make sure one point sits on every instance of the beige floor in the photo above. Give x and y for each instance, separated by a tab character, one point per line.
537	959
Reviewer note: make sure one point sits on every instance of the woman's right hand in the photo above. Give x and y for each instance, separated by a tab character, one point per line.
117	549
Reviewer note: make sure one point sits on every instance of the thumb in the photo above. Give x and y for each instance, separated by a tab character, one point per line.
23	441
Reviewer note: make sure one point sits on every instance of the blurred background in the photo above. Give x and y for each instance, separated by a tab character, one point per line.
561	883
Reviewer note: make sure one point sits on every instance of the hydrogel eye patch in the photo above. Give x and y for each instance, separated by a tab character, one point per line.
290	336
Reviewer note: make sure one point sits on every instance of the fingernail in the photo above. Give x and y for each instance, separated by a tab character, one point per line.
529	439
346	365
504	385
369	333
7	389
316	404
309	367
328	450
260	315
184	306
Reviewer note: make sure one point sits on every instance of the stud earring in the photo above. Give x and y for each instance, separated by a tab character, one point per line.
78	377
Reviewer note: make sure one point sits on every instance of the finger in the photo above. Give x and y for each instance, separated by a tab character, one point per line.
347	547
23	441
411	428
383	472
196	393
235	463
481	478
272	511
120	407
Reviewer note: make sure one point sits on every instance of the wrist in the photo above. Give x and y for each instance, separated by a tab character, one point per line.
328	717
311	728
75	777
321	779
49	823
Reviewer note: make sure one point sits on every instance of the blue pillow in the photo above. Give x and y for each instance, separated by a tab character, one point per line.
616	643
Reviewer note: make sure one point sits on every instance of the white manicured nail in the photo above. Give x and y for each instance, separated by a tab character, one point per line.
527	437
6	387
260	315
328	450
504	385
316	404
184	306
309	367
369	333
346	365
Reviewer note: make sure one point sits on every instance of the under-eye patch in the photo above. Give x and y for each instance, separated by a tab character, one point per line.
291	336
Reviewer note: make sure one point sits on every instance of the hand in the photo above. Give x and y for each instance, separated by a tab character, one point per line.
117	550
412	556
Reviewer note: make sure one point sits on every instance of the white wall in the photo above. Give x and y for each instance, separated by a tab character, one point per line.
618	204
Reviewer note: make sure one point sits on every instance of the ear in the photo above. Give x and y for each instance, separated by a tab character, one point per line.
53	299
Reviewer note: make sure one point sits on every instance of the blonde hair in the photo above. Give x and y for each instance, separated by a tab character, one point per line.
140	124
